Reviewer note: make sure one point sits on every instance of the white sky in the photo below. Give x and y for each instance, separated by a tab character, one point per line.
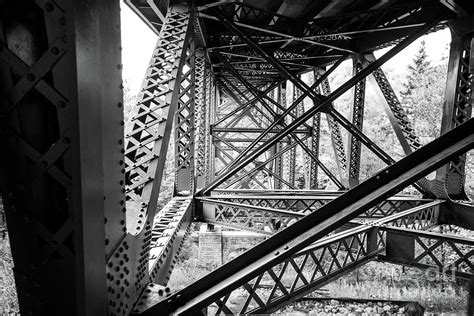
138	42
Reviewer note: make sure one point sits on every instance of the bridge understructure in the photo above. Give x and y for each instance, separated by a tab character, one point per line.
226	87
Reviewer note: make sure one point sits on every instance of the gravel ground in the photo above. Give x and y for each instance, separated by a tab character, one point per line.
338	307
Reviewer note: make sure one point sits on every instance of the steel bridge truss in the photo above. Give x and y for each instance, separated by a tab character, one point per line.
80	186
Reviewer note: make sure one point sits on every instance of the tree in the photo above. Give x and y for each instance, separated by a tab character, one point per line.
423	95
418	69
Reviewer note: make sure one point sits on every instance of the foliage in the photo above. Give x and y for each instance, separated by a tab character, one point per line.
8	297
423	95
129	100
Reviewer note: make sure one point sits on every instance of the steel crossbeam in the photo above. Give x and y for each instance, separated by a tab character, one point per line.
247	217
301	234
439	253
274	213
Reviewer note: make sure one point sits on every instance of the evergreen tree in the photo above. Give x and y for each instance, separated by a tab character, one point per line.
423	95
416	71
418	68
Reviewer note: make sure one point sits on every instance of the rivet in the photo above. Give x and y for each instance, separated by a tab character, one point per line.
55	51
49	7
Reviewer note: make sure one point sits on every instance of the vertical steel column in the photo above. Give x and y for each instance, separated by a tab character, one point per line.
357	115
299	111
458	103
61	118
212	117
291	157
281	99
208	122
200	119
336	138
184	125
315	138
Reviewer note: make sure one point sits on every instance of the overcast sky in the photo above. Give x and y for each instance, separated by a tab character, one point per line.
138	42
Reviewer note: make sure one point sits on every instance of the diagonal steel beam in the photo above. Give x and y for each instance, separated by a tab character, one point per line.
394	110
